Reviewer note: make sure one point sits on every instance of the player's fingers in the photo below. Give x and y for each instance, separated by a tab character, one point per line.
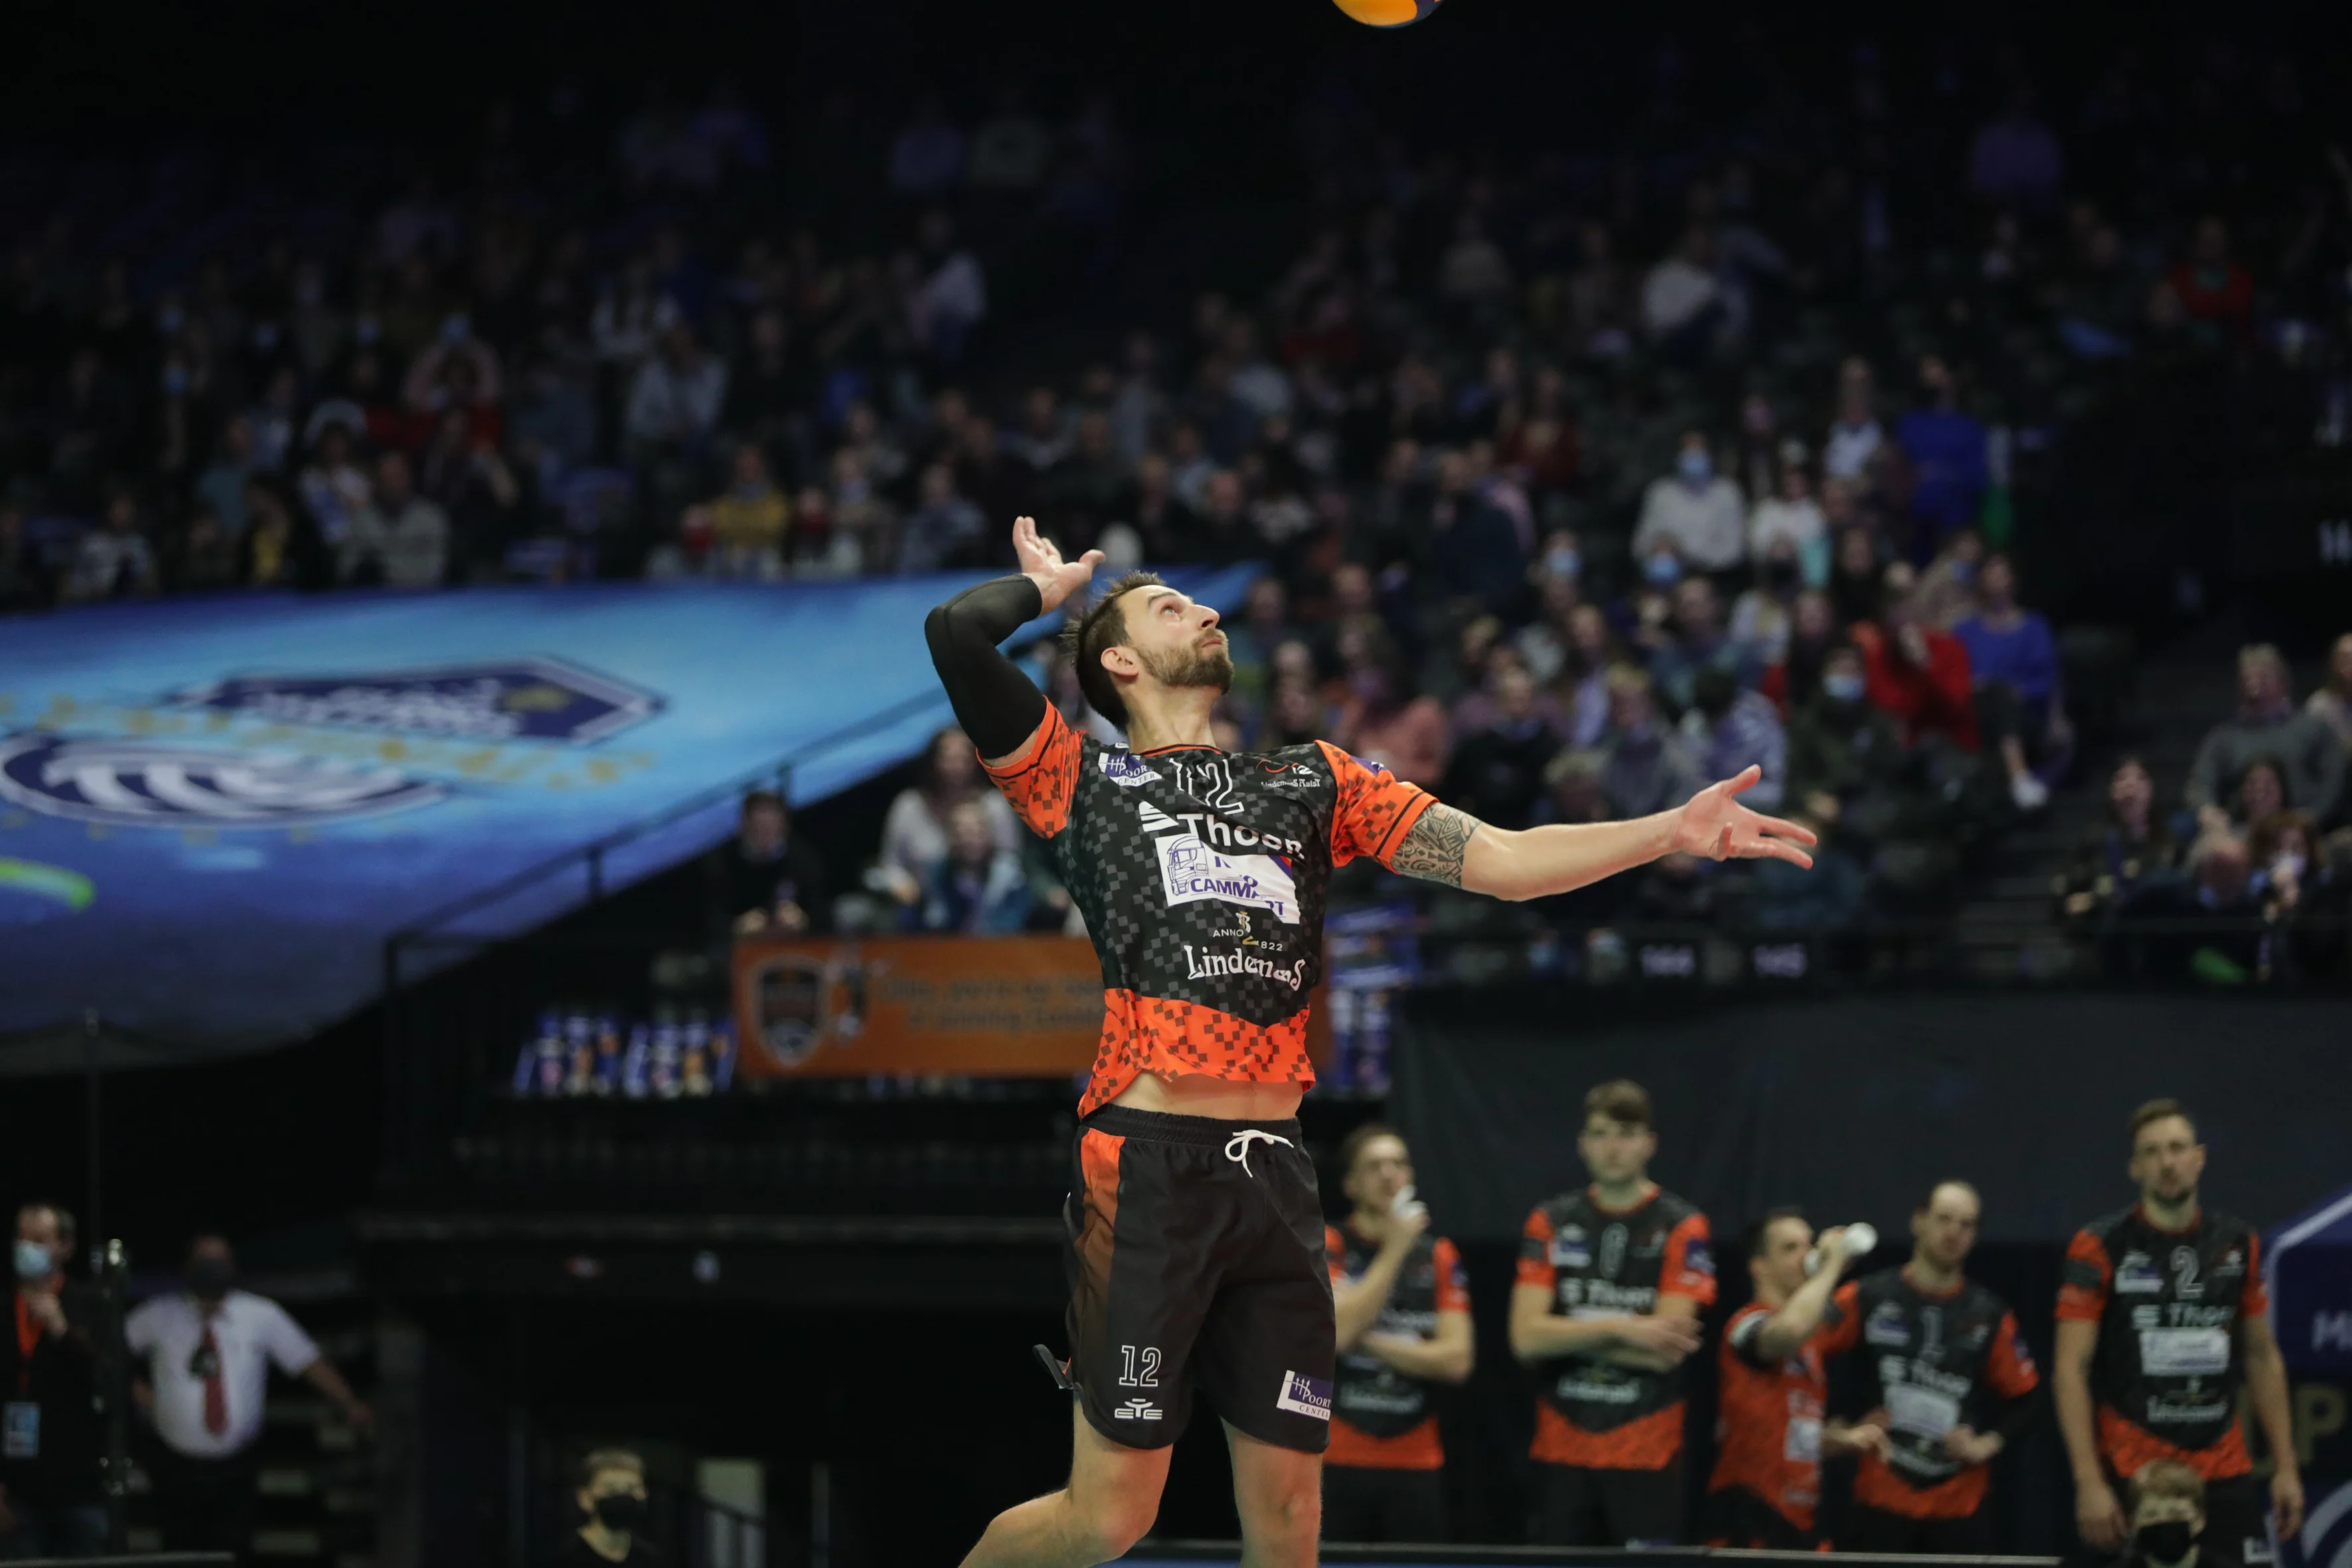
1775	849
1779	829
1723	845
1091	559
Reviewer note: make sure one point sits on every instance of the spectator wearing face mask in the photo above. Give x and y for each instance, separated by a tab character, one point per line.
1792	518
205	1354
2168	1517
52	1502
1730	725
1760	616
612	1502
1695	512
1844	756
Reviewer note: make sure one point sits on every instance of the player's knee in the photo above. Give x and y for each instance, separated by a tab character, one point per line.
1287	1509
1114	1520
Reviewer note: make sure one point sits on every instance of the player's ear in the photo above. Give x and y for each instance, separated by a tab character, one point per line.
1119	659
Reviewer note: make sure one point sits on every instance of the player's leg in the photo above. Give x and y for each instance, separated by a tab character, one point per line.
1278	1492
1109	1506
2237	1524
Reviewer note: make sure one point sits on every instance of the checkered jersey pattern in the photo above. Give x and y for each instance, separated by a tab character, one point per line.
1201	876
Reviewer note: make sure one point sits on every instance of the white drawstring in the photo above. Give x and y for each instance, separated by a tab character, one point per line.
1237	1146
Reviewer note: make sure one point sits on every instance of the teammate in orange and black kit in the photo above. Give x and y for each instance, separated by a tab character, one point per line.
1612	1281
1947	1379
2161	1317
1196	1255
1770	1432
1404	1313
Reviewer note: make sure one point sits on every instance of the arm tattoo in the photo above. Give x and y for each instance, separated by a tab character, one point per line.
1433	846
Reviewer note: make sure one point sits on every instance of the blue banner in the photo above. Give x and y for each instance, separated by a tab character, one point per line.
213	812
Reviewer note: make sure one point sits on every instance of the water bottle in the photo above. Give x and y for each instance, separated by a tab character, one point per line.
548	1040
579	1034
722	1057
638	1066
609	1056
694	1061
664	1077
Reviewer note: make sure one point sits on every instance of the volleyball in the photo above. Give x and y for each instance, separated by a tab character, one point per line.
1387	13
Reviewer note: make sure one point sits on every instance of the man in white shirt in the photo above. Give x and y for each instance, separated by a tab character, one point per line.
1695	511
208	1351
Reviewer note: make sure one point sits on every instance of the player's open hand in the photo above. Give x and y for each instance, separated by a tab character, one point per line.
1717	827
1042	563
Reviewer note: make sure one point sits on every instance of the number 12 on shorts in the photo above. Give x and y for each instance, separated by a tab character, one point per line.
1140	1366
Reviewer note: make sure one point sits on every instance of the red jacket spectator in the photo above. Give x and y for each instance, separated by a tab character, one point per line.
1919	676
2215	291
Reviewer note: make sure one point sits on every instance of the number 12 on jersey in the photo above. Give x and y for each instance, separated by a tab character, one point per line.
1141	1367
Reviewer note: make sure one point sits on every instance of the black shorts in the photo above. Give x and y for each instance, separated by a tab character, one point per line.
1196	1259
1737	1517
1364	1504
1883	1532
1579	1507
2237	1523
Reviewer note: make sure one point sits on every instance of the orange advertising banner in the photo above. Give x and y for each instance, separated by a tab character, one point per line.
1004	1007
1007	1006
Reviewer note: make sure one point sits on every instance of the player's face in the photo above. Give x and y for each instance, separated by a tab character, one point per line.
1616	1153
2167	1159
1381	1171
1783	1267
1947	1228
1175	641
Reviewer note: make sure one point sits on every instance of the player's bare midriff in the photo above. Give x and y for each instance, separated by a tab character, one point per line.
1221	1099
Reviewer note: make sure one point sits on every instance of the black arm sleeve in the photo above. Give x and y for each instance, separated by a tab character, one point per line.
999	707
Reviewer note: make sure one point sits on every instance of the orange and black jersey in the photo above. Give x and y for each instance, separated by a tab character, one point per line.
1381	1417
1767	1426
1605	1263
1201	874
2169	1306
1930	1363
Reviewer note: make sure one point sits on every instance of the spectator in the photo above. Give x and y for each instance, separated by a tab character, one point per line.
1496	772
223	483
2016	161
1730	727
1644	766
1844	753
612	1502
334	486
1473	271
2014	660
675	395
398	539
952	299
207	558
2135	848
1762	616
1920	677
1782	896
1477	553
52	1496
1792	518
1011	149
915	830
276	551
2281	848
2215	292
2167	1515
2332	703
1856	578
1603	305
748	523
1683	306
1856	441
1695	512
2259	790
945	529
1813	630
1948	591
114	560
206	1351
979	888
768	877
2310	758
1696	642
1946	451
1381	719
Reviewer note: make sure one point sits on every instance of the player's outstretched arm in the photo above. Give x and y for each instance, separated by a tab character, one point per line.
998	706
1456	848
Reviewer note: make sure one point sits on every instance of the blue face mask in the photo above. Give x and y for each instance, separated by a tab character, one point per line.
1563	563
34	1262
1696	469
1663	571
1843	687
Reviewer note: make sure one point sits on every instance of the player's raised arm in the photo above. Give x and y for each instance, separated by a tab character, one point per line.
998	706
1452	846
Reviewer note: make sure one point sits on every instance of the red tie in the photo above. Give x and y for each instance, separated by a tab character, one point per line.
215	1392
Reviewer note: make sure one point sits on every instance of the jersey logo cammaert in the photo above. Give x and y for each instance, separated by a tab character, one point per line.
1193	867
145	783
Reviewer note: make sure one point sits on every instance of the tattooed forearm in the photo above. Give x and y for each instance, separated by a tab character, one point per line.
1433	846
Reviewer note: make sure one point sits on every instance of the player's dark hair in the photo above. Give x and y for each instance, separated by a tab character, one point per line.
2157	1111
1622	1100
1759	1234
1351	1148
1104	625
1928	1200
756	799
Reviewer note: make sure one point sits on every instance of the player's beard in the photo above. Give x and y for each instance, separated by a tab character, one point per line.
1195	667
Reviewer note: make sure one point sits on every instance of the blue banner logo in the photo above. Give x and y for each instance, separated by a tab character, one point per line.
148	784
509	700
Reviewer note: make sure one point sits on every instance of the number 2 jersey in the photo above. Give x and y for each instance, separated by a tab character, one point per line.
1382	1417
2168	1305
1201	875
1608	1263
